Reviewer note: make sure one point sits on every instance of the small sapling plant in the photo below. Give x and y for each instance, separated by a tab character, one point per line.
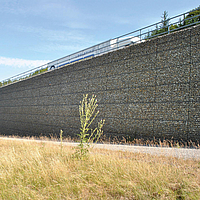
88	113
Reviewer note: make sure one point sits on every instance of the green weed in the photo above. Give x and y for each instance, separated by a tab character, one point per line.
88	113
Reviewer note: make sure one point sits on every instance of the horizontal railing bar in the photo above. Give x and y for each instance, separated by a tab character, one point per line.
105	47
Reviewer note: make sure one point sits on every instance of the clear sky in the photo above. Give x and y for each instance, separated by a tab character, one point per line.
35	32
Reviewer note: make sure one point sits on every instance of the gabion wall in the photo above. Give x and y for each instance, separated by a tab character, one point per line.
144	91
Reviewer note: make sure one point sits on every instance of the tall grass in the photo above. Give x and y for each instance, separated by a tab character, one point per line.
31	170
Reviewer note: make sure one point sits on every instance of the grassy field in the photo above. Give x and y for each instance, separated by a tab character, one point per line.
30	170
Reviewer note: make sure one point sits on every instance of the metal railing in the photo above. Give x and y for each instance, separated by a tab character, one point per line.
154	30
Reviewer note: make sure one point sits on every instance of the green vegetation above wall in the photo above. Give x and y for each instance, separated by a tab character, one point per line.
31	75
164	27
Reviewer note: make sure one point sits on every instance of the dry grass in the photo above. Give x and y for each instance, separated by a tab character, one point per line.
118	140
30	170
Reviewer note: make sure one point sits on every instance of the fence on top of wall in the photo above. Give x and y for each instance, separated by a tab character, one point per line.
163	27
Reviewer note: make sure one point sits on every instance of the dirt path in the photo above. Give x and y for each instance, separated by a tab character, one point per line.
184	153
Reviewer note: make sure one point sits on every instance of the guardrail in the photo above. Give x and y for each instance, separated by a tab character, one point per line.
163	27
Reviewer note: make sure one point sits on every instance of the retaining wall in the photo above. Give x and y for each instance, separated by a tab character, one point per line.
144	91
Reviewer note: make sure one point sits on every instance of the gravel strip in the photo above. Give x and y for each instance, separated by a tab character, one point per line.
184	153
166	151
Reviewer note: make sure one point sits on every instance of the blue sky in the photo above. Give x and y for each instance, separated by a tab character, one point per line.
33	33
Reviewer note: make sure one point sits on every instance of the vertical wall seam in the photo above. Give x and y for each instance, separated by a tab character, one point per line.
155	92
189	102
